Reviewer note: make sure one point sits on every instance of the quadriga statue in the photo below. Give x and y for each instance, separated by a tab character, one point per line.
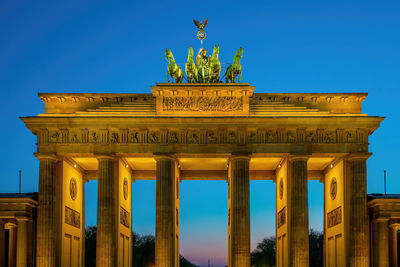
173	69
190	67
235	69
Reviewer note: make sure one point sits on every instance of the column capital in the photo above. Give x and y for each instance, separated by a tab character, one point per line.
160	156
43	156
240	155
105	156
298	157
381	219
394	225
358	156
23	219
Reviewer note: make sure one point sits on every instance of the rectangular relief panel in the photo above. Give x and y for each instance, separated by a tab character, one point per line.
202	99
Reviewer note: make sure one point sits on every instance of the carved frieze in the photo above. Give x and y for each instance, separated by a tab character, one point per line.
72	217
200	136
334	217
203	103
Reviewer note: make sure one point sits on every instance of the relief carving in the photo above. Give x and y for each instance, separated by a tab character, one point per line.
124	217
203	103
72	217
349	137
114	137
282	217
73	188
232	137
290	137
54	137
271	136
212	138
133	137
193	138
173	138
252	138
154	137
333	188
330	137
74	138
94	137
207	136
311	137
334	217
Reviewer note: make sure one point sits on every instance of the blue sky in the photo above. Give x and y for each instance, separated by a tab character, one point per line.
118	46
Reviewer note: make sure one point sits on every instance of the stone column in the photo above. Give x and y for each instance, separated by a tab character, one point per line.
106	239
298	211
46	224
381	242
2	244
240	211
393	260
165	228
358	231
22	242
12	246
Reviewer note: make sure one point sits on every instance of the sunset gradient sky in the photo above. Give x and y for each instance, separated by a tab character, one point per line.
118	46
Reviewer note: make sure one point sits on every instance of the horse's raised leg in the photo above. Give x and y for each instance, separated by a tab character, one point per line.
240	76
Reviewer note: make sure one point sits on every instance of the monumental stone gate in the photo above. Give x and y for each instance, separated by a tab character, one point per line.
201	132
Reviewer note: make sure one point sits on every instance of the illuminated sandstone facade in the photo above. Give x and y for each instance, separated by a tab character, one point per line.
18	219
202	132
384	212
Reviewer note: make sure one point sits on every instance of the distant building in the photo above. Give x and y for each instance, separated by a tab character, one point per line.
18	229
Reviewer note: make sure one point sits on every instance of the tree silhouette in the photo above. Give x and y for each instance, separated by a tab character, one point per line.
143	249
265	253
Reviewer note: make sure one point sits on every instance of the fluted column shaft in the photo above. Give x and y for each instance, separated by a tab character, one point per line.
298	212
2	244
46	225
358	213
393	260
12	247
106	214
381	242
22	243
165	237
240	211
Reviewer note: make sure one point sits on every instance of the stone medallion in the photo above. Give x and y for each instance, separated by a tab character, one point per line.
73	188
281	189
125	188
333	188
